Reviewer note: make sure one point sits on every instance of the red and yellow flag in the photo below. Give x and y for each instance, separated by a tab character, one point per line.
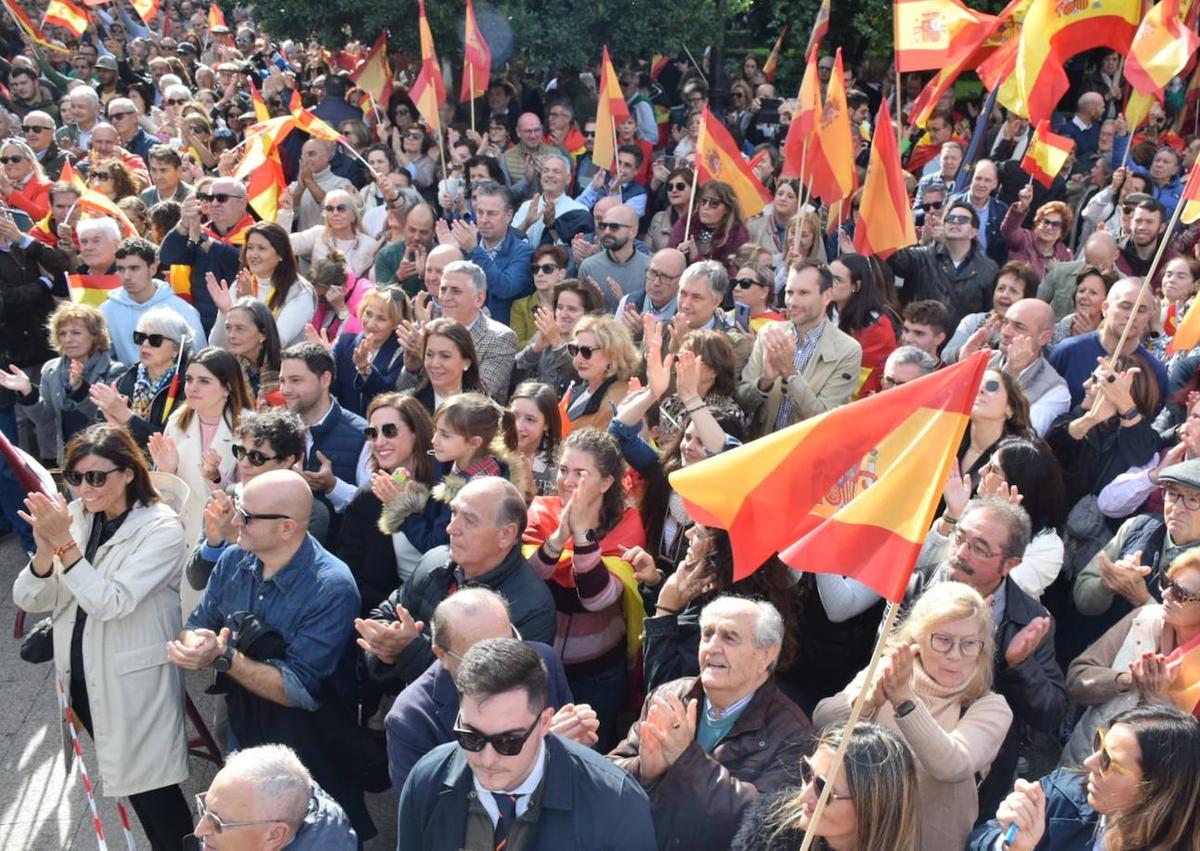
819	29
1185	694
1137	108
374	75
180	278
316	127
658	64
216	18
1161	48
26	25
804	119
429	90
71	176
718	158
771	66
94	203
477	59
851	491
265	186
261	112
1190	197
92	289
885	220
928	33
1046	154
67	15
146	9
831	172
611	110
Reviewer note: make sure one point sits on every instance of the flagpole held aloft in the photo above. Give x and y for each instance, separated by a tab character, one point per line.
687	225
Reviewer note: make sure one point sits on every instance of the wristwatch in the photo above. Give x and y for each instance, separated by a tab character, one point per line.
905	707
224	662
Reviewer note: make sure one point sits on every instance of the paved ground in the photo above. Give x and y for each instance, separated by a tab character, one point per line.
43	806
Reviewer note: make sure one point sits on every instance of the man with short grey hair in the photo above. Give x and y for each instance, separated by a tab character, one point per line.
123	116
702	289
905	364
76	137
729	732
552	216
314	181
267	798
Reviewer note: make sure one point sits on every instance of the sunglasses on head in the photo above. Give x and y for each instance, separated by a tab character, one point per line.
745	283
256	458
388	430
11	160
29	128
585	351
505	744
336	208
95	478
155	340
545	268
809	775
677	187
101	175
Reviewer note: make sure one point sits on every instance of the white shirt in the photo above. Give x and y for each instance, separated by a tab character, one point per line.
342	492
523	792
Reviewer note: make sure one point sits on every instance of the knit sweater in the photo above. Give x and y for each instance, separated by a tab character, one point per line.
952	744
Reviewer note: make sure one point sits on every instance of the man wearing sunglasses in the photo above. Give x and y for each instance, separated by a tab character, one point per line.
38	128
620	268
123	116
699	792
509	779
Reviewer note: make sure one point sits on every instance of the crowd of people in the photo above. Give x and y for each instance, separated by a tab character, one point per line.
392	472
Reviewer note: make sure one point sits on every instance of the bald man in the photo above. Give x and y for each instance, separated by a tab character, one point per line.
423	715
315	179
402	262
1025	335
658	295
619	269
276	619
1084	127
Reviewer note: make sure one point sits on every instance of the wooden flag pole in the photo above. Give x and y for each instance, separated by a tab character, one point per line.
687	225
899	113
699	70
471	78
889	620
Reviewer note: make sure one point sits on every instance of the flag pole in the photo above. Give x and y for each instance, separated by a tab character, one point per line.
699	70
471	77
687	225
889	620
899	111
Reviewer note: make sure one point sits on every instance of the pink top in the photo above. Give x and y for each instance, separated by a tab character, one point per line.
356	288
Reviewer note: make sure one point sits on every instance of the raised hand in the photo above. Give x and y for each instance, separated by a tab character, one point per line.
658	369
218	519
387	641
1126	576
644	568
413	343
163	453
1026	641
687	376
321	338
1154	675
219	292
16	380
547	334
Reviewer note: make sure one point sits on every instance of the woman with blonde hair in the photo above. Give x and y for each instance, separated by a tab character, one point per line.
934	688
605	359
23	182
341	231
809	247
369	362
873	804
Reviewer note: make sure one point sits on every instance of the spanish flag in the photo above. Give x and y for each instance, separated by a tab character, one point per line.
67	15
266	184
429	89
771	66
179	276
71	176
819	30
216	18
1046	154
1187	335
851	491
261	112
374	75
1161	48
658	64
718	158
1185	694
804	118
1137	108
316	127
611	110
1190	197
92	289
831	172
929	33
96	204
26	25
885	219
477	59
146	9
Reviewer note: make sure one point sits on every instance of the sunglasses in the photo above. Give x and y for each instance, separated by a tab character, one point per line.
710	202
388	430
677	187
29	128
545	268
933	205
155	340
176	102
219	197
1181	595
610	225
247	516
95	478
1050	223
12	160
415	137
200	131
809	775
336	208
586	351
255	457
991	385
114	116
958	220
1100	746
101	175
218	825
505	744
746	283
589	134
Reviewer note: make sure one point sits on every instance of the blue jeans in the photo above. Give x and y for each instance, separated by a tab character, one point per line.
12	497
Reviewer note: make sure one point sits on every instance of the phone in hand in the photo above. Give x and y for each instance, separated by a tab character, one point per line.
741	315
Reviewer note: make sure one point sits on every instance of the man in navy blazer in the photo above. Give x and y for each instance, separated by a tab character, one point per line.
422	716
508	781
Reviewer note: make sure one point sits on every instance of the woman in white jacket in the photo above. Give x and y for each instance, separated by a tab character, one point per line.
342	232
107	567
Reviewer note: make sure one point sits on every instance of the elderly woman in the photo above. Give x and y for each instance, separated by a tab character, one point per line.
934	689
107	566
605	359
770	227
148	392
546	358
1046	245
342	231
369	363
1091	289
79	334
23	183
716	231
549	269
251	335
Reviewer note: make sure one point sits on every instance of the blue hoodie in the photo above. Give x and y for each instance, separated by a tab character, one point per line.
123	313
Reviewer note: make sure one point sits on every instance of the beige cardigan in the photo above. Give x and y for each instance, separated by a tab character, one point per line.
950	744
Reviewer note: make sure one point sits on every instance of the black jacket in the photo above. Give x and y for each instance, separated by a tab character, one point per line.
366	550
156	419
30	277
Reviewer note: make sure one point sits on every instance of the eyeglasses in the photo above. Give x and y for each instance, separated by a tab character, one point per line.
388	430
653	274
589	133
1100	746
891	381
545	268
415	137
808	775
176	101
585	351
336	208
255	457
968	647
958	219
101	175
1181	595
247	516
932	205
29	128
1052	223
710	202
220	826
155	340
747	283
12	160
505	744
980	550
115	115
95	478
677	187
1190	501
219	197
610	225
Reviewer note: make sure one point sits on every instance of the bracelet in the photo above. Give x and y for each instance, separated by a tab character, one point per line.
59	552
667	609
695	408
949	521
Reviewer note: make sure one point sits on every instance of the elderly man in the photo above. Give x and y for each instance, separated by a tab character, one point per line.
98	241
508	780
702	289
905	364
1075	358
401	263
705	748
658	296
314	181
552	216
106	145
123	115
76	137
461	295
487	519
495	246
136	261
620	268
803	366
38	129
266	798
423	715
519	162
981	195
275	620
981	548
1058	287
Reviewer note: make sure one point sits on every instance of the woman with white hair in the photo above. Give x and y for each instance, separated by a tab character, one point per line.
23	183
342	231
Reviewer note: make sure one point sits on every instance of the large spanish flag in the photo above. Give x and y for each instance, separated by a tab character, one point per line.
611	110
930	33
374	75
718	158
1185	694
885	220
851	492
804	119
92	289
67	15
1161	48
429	89
477	59
831	172
1046	154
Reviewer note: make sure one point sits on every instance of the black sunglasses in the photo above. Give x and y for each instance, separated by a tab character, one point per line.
11	160
545	268
586	351
933	205
505	744
388	430
958	220
610	225
155	340
677	187
219	197
809	775
175	102
247	516
95	478
255	457
115	115
746	283
101	175
29	128
336	208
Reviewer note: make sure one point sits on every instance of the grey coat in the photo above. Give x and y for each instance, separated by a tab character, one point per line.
51	396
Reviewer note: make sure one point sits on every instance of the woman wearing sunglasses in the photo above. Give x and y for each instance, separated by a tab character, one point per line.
549	269
23	183
413	158
672	203
934	689
1139	788
605	359
112	179
1045	246
545	358
107	566
753	287
999	411
873	803
862	313
717	230
770	227
341	231
399	436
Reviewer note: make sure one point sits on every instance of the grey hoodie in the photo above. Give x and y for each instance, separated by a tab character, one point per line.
123	313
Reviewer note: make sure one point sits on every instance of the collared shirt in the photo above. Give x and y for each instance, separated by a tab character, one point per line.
806	347
342	492
715	723
523	792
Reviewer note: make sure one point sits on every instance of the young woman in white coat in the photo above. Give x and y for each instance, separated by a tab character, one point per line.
107	566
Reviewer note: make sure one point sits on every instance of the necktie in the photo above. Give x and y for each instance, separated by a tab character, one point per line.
507	805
